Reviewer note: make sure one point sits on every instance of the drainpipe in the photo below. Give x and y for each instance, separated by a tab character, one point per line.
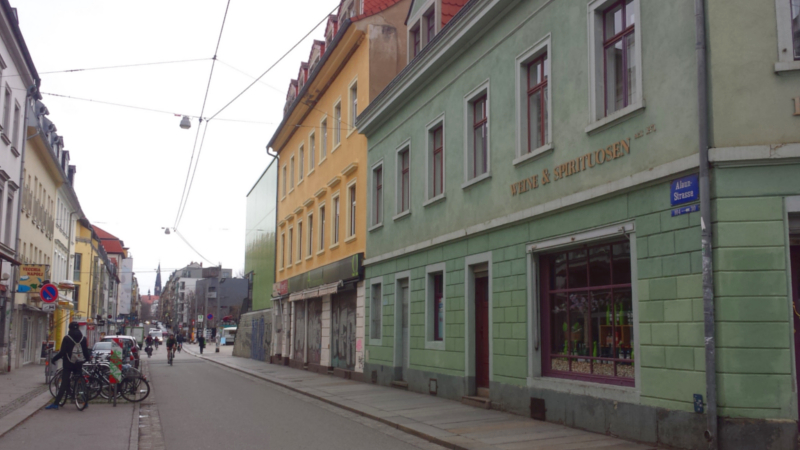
711	434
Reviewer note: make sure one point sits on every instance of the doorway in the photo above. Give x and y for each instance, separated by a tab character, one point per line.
404	347
482	332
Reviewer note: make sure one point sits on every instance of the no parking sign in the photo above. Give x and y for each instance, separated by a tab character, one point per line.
49	293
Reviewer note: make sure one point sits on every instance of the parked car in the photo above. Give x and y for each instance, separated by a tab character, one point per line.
130	347
229	334
157	334
102	348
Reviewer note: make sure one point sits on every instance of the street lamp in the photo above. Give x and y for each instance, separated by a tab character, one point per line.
186	123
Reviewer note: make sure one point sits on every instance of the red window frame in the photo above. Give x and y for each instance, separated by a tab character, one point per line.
430	23
540	88
438	160
610	41
547	327
404	180
378	193
438	306
479	121
415	38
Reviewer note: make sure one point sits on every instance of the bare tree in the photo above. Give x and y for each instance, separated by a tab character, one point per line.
240	273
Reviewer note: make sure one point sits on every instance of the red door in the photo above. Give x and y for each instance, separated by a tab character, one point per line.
795	271
482	332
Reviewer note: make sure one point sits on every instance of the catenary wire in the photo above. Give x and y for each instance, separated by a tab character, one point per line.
122	66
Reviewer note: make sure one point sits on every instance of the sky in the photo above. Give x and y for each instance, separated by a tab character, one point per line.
132	164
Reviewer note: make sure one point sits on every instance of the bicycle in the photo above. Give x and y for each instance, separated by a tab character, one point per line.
78	391
170	355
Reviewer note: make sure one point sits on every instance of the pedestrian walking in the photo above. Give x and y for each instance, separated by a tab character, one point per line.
74	352
202	342
217	339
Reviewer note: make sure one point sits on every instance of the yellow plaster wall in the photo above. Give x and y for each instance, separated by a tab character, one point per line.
87	257
353	149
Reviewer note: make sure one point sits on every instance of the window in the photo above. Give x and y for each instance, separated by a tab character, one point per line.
538	71
15	131
377	195
321	227
284	180
301	156
351	192
353	106
403	180
337	123
435	306
436	161
310	222
335	230
300	237
438	307
312	152
619	45
430	23
375	312
9	217
415	41
291	174
283	250
476	155
6	110
76	275
291	240
323	144
587	313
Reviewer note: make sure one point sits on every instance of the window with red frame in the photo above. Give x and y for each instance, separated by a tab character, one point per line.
619	55
438	306
537	102
480	129
405	181
587	314
437	155
377	178
430	23
415	39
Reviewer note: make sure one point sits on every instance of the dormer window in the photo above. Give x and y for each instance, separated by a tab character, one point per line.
415	41
430	25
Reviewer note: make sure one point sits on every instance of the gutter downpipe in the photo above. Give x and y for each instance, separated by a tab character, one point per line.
32	91
711	433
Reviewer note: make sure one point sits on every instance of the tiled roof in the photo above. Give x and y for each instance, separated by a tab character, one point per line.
102	234
149	299
450	8
372	7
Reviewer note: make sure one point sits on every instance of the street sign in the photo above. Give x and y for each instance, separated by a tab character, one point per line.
200	318
115	368
49	307
685	210
49	293
210	316
684	190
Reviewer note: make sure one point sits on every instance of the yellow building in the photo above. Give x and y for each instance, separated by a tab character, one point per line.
322	186
92	270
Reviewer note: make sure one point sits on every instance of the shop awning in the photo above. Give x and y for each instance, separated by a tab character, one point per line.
325	289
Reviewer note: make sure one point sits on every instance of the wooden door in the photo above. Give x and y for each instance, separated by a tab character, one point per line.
482	332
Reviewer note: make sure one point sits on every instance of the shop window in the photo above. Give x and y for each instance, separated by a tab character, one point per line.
587	314
435	307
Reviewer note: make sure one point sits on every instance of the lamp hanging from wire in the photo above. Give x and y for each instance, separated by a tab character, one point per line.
186	123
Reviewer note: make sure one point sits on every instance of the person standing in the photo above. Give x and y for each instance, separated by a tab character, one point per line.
74	352
202	342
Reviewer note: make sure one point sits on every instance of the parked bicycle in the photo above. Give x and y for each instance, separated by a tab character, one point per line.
77	391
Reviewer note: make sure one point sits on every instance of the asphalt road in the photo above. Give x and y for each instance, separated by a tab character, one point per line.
204	406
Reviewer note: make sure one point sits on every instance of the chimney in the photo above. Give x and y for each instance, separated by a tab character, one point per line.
71	175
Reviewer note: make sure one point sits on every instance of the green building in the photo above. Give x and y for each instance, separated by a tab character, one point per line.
534	237
259	256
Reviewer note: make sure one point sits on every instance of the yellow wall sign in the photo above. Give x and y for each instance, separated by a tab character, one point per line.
32	277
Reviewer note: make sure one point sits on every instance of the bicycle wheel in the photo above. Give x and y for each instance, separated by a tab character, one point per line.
94	387
55	383
66	396
135	390
79	392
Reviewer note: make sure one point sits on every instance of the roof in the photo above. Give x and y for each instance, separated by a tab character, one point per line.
14	21
102	234
149	299
110	243
372	7
450	8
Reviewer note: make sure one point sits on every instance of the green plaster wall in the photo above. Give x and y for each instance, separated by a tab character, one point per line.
259	255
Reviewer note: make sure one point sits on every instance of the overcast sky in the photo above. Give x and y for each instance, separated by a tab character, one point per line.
131	164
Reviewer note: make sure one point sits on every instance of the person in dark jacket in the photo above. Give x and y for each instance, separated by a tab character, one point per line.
74	337
202	341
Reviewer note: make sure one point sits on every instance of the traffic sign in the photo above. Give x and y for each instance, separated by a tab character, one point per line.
210	316
49	307
49	293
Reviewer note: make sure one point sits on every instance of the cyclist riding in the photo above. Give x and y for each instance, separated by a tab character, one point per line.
171	346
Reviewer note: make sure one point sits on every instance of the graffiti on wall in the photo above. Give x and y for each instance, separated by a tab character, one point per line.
314	330
343	331
254	336
299	331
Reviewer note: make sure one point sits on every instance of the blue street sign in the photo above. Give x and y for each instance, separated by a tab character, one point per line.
685	210
684	190
210	316
49	293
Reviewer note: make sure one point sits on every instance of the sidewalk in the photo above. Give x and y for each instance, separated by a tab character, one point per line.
22	393
441	421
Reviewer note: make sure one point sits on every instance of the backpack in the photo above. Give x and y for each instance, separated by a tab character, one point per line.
76	355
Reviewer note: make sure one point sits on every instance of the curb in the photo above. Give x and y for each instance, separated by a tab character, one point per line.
403	428
133	443
22	413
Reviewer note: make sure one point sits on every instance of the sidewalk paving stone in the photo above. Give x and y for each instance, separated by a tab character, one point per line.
438	420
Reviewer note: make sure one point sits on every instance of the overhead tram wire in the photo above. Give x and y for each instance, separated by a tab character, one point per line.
122	66
191	182
191	247
185	198
185	192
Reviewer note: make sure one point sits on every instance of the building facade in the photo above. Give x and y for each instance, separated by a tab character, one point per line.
259	253
322	178
534	236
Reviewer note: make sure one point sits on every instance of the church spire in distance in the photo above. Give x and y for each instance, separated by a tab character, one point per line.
158	281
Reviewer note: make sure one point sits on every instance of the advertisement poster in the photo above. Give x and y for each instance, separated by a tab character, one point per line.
32	277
